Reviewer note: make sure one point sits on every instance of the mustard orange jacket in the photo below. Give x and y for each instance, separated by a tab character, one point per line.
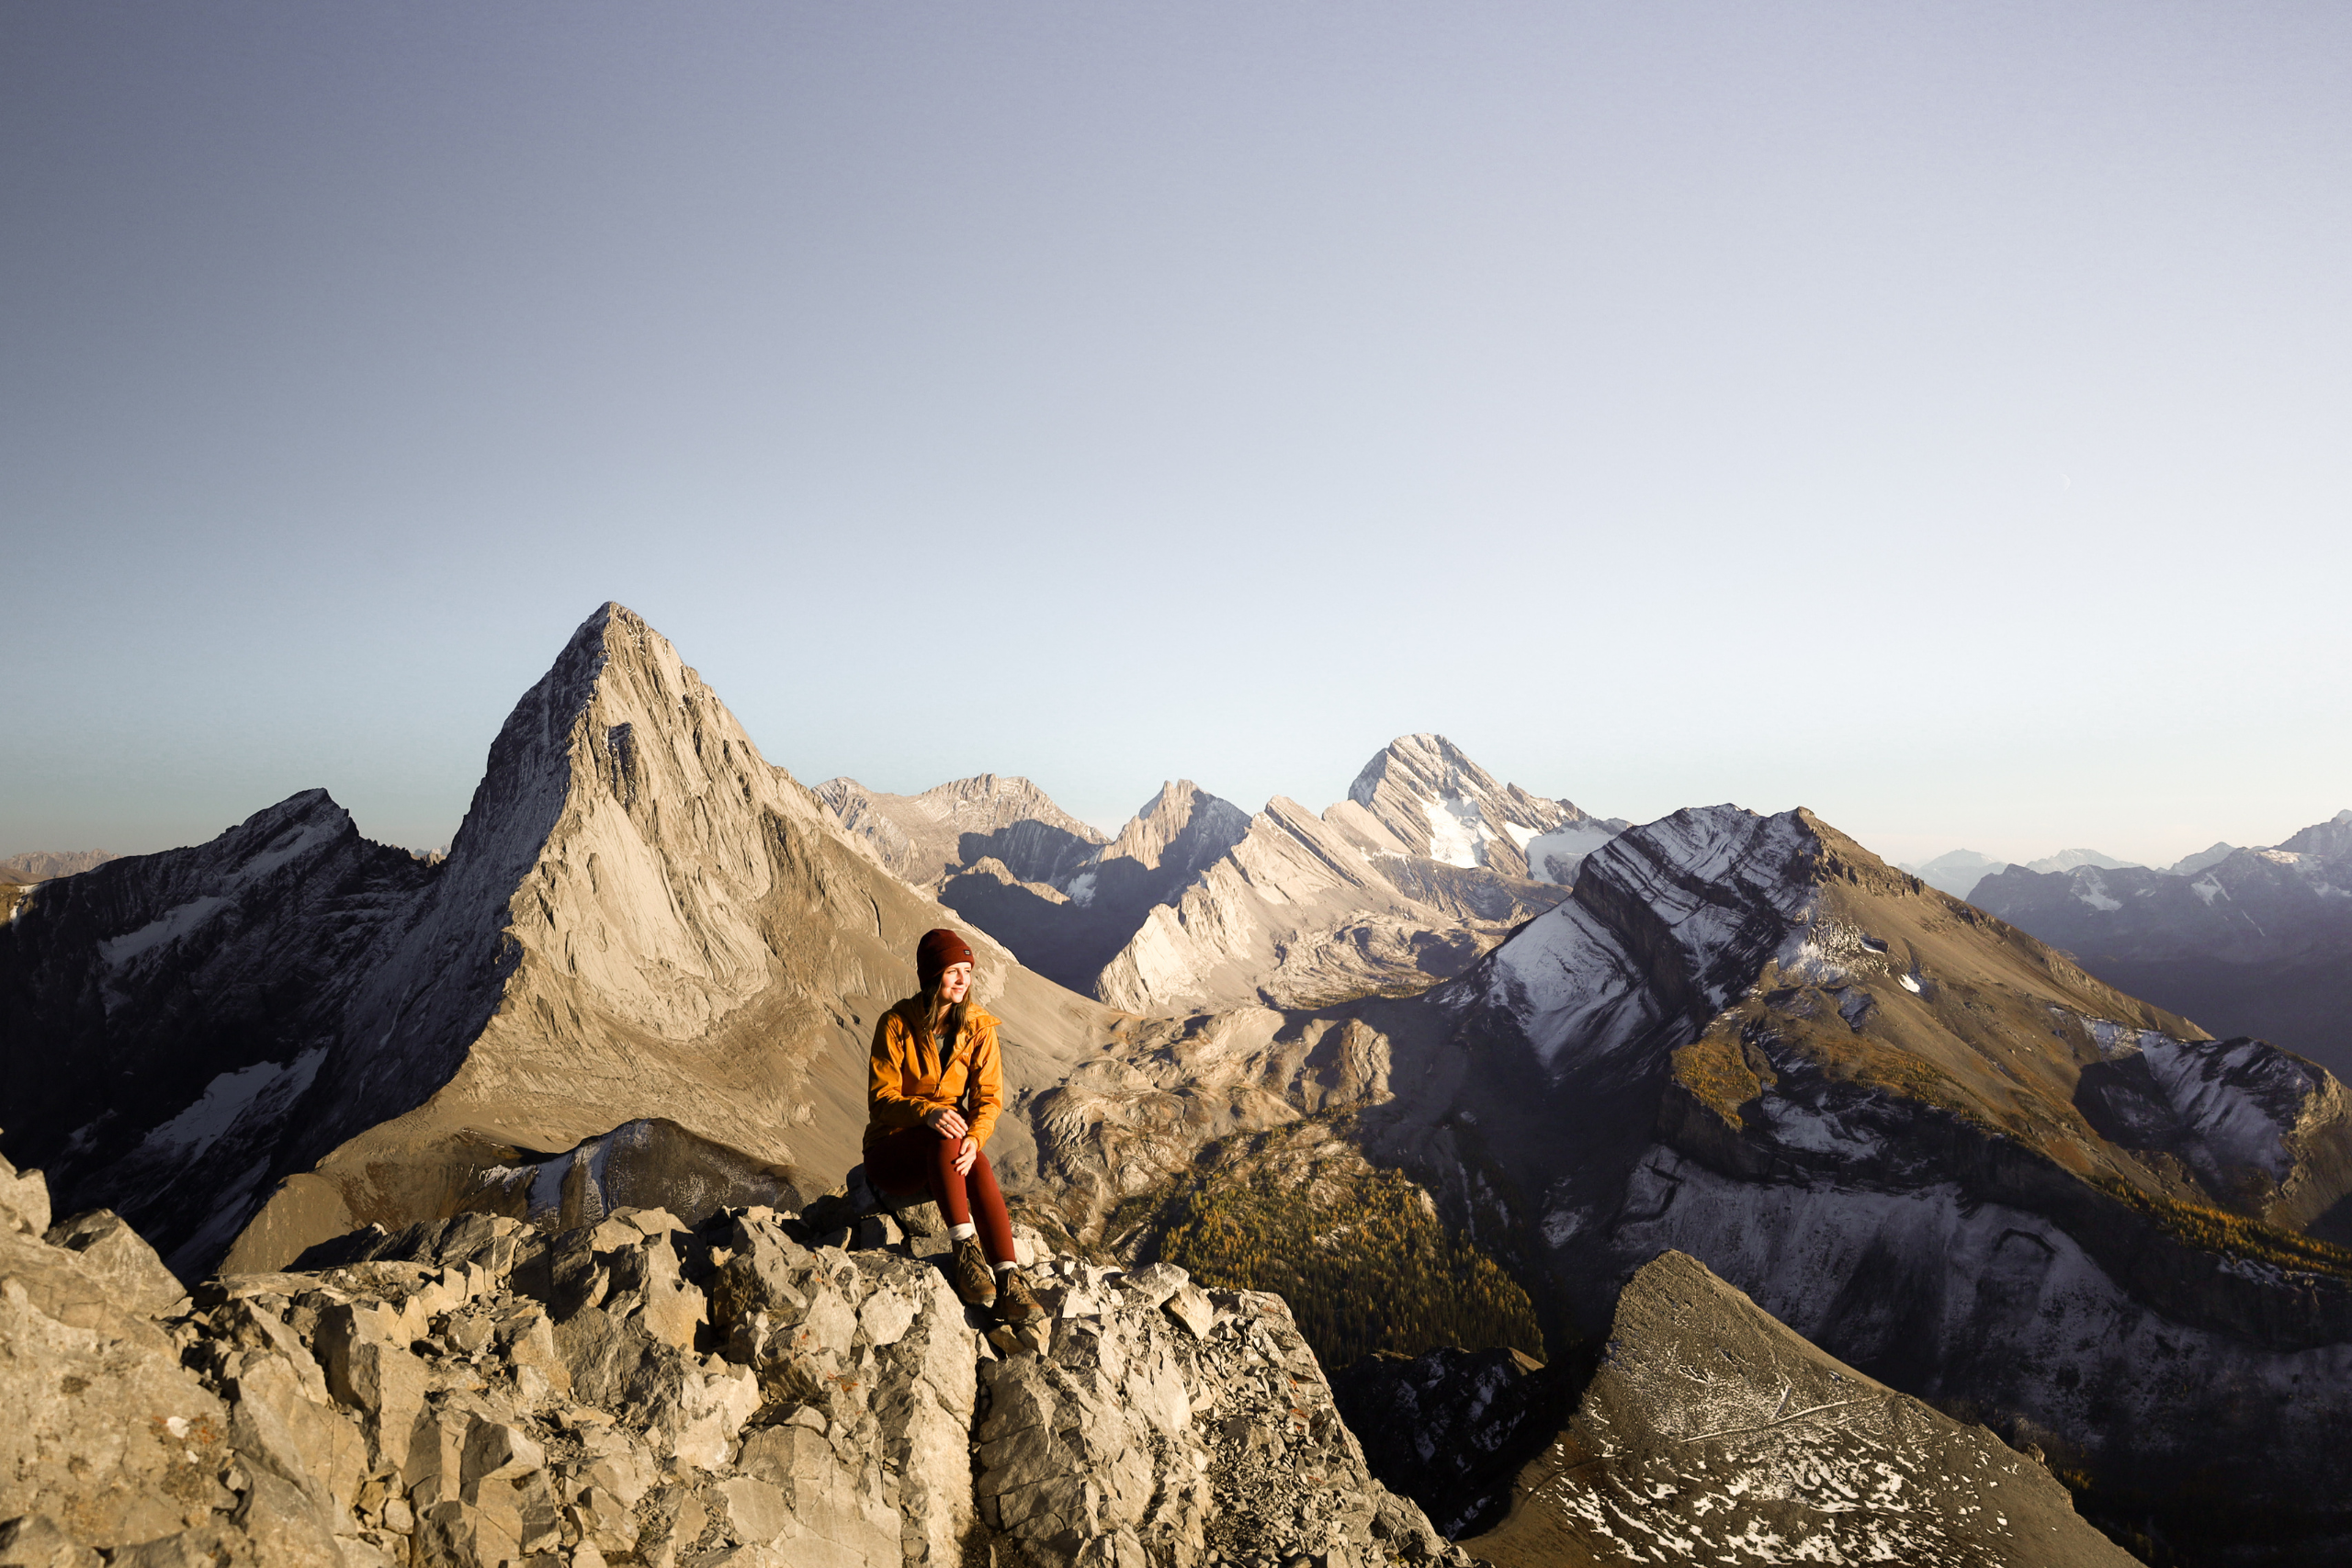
904	1085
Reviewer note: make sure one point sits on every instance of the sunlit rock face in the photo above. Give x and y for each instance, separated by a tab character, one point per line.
1427	864
1197	906
289	1032
639	1390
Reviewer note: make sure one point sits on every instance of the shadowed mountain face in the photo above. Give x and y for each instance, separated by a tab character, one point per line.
2250	941
290	1031
1925	1141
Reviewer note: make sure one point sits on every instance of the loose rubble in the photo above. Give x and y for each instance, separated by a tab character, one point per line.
636	1394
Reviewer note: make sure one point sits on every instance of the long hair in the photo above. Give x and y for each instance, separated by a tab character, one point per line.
935	1017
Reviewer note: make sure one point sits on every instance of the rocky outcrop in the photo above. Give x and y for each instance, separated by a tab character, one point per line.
289	1033
481	1392
1712	1431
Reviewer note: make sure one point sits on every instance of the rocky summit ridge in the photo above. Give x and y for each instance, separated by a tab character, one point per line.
751	1394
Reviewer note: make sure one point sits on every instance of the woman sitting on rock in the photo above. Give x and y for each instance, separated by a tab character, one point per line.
935	1087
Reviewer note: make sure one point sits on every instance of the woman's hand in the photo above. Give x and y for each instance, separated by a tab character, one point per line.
947	1122
965	1155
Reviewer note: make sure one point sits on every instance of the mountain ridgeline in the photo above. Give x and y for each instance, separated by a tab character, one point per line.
1445	1030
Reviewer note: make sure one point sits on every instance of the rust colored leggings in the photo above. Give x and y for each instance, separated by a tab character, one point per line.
916	1159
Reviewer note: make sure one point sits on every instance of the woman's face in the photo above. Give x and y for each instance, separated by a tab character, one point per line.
954	981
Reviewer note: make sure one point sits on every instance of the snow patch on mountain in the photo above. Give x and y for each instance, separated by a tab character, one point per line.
1554	855
1458	832
2091	888
264	1090
169	926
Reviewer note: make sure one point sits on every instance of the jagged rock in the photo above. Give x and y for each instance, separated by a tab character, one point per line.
280	1427
1712	1424
24	1199
101	1430
1131	1440
35	1542
115	1253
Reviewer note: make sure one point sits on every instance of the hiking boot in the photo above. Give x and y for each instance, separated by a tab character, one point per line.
970	1271
1015	1301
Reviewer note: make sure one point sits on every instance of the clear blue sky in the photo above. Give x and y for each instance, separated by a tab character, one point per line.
1933	414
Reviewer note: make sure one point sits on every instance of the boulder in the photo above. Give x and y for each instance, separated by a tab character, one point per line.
114	1253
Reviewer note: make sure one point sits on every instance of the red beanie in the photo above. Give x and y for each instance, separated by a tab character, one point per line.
938	951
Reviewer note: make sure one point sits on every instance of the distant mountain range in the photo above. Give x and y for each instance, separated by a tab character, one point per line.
1927	1141
1429	862
2246	940
43	864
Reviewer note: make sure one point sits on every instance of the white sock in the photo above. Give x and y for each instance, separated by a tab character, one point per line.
1002	1267
962	1233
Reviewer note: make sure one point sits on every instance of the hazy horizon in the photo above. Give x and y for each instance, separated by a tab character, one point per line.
1930	417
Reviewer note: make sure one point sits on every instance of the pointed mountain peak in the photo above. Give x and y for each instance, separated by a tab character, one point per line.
1425	764
1428	794
2327	840
1182	818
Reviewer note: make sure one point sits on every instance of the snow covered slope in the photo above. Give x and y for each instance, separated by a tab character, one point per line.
640	918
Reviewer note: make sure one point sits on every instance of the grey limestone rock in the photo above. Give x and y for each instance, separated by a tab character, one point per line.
111	1251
